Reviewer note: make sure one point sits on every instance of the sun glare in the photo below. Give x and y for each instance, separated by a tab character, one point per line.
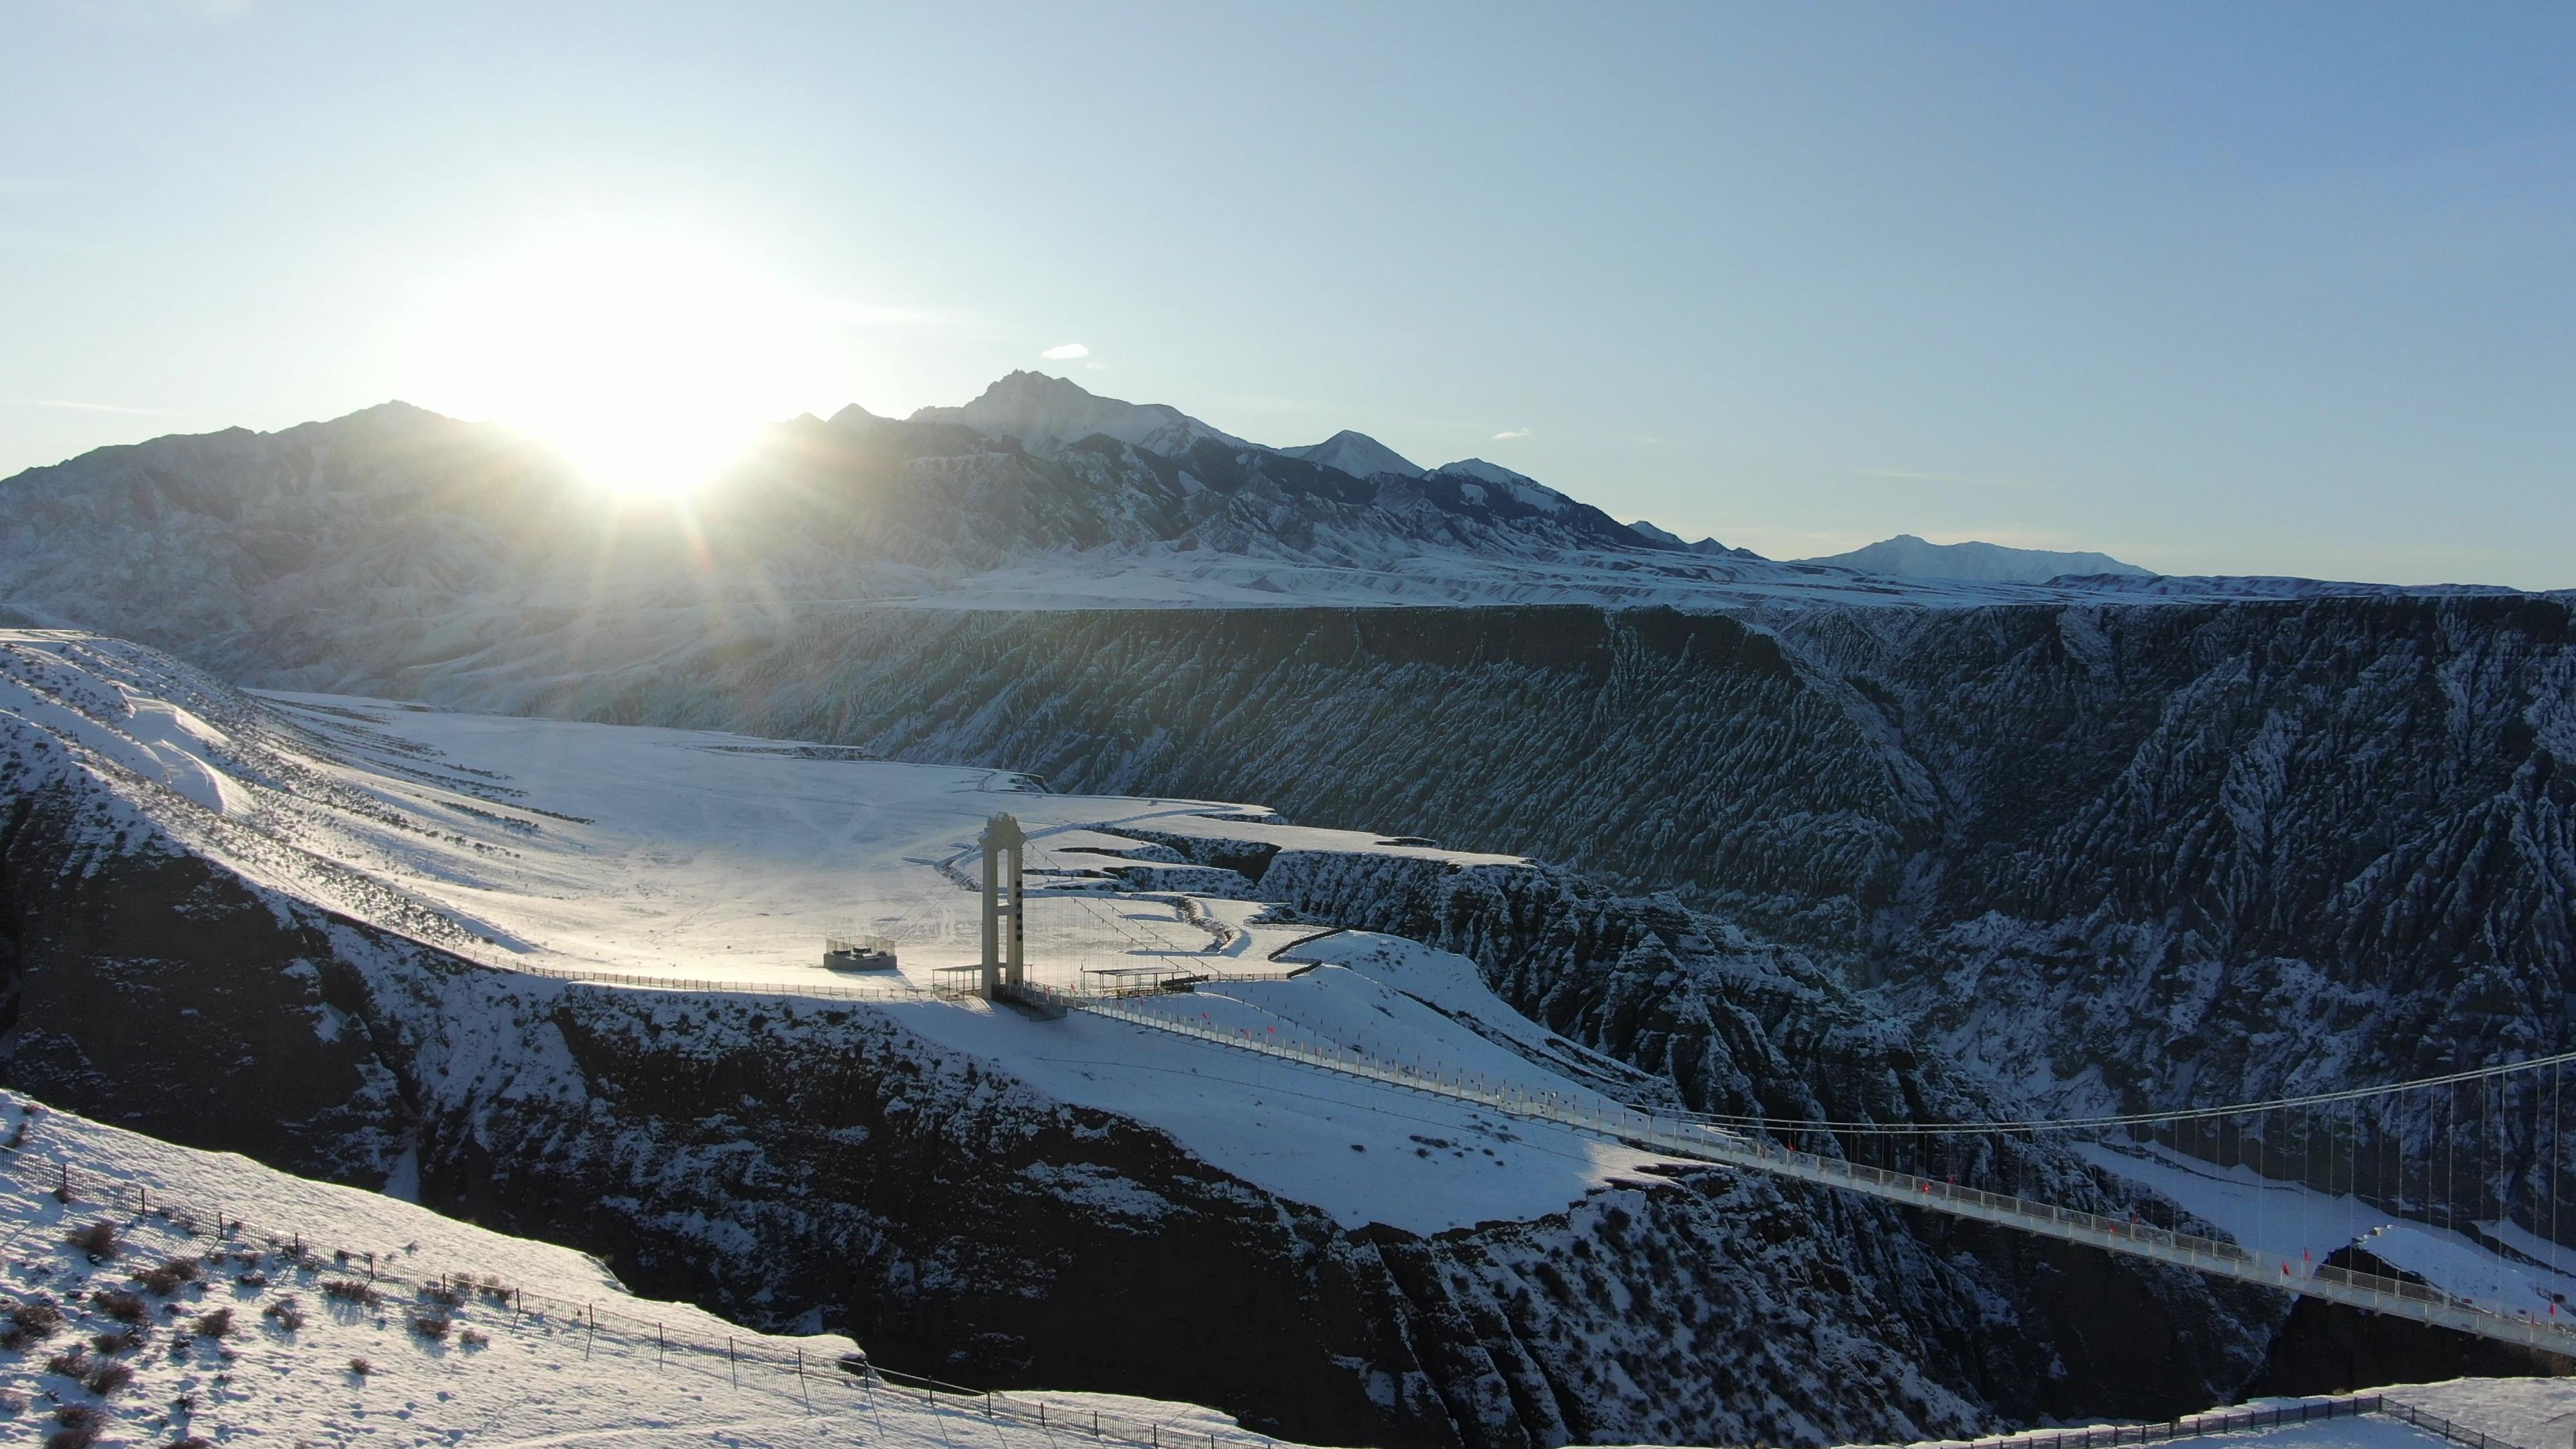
649	360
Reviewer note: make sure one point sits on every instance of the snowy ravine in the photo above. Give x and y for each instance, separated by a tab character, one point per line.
286	928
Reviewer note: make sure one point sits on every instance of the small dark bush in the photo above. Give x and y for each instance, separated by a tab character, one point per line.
107	1378
190	1441
123	1340
184	1404
73	1365
215	1324
361	1367
285	1314
74	1416
339	1255
442	1295
78	1437
474	1338
98	1240
170	1276
120	1305
30	1323
430	1325
251	1280
350	1290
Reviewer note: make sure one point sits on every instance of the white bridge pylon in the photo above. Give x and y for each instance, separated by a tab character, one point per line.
1005	950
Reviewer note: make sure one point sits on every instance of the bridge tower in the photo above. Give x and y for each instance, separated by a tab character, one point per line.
1005	962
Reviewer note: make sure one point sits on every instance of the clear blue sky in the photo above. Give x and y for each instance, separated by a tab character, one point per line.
2233	288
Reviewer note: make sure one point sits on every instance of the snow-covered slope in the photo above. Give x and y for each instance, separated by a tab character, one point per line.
466	1335
1906	556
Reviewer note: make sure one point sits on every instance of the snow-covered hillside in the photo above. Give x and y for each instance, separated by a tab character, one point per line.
228	1302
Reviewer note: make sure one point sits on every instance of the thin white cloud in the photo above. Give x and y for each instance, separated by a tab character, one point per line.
79	407
1514	433
1095	367
1065	352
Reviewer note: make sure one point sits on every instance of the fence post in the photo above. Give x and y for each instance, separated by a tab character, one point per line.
730	1371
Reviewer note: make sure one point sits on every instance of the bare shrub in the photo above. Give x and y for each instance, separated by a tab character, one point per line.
170	1276
30	1322
350	1290
474	1338
120	1305
251	1280
361	1367
430	1325
108	1378
123	1340
99	1240
285	1314
12	1403
80	1426
190	1441
215	1324
73	1365
442	1295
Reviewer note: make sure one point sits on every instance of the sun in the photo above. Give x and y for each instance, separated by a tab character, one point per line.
649	358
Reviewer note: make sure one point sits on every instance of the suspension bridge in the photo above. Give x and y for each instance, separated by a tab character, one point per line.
2471	1158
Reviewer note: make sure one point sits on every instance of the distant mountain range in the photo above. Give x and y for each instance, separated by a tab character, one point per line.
394	540
1908	557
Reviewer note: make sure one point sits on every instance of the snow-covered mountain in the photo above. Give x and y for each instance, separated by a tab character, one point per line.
1357	454
1708	546
1906	556
1039	410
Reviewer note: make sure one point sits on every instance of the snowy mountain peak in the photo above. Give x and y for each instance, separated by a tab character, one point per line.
1357	454
1906	556
1709	547
1528	491
856	419
1040	411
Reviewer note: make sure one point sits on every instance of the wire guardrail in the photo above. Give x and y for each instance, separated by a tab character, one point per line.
2232	1421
